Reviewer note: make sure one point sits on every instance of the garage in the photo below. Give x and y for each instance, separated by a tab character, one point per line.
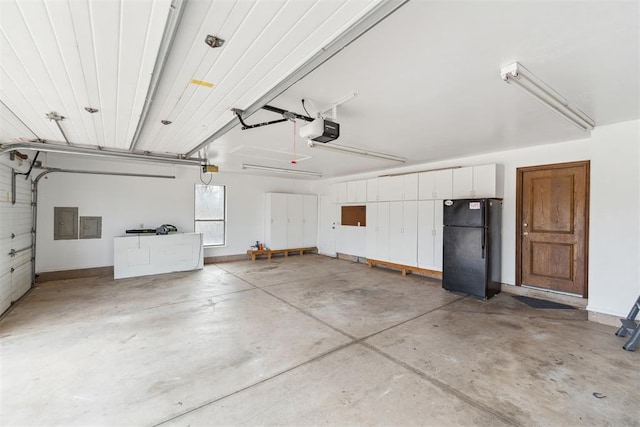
243	213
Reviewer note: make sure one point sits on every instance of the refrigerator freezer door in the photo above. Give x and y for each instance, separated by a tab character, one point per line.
465	212
464	266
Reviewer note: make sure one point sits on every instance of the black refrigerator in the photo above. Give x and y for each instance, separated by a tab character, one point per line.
471	246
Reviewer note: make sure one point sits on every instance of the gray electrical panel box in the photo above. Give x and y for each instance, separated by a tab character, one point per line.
90	227
65	225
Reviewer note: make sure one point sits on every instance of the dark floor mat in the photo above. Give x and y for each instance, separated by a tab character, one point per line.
542	303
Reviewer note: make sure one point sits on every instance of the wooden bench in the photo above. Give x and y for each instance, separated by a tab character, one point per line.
405	268
269	252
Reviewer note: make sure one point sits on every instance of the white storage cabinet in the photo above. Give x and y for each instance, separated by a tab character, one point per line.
477	182
291	220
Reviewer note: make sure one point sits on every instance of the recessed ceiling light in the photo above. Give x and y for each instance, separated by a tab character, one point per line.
166	122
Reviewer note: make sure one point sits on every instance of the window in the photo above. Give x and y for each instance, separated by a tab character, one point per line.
210	213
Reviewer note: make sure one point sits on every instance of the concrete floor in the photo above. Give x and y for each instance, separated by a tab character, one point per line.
304	341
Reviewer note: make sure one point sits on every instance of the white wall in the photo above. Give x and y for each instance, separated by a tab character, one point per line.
614	276
128	202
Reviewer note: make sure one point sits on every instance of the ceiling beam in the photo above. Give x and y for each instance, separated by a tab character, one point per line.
170	30
75	150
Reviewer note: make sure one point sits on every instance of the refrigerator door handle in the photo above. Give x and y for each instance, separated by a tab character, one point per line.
484	234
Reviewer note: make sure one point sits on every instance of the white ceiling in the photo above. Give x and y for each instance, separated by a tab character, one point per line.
427	77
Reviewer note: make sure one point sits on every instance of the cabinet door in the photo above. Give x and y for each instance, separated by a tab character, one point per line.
409	254
383	244
278	221
295	209
463	183
443	184
426	185
361	191
372	231
426	247
403	221
372	190
484	181
437	238
396	188
341	192
309	221
410	186
385	188
352	191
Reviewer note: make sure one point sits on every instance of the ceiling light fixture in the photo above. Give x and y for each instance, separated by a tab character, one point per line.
357	151
166	122
281	170
516	74
213	41
90	110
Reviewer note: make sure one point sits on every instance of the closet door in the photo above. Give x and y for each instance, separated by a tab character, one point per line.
426	247
276	237
371	243
310	221
295	227
383	244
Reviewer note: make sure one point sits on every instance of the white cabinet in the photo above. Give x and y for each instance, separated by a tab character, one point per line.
341	192
276	221
377	239
477	181
398	188
291	220
435	185
294	221
372	190
309	220
357	191
351	240
403	232
430	234
351	191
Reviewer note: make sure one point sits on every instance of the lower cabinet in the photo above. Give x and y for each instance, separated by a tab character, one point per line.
430	234
407	233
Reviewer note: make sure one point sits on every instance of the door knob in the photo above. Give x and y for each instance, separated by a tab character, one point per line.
526	233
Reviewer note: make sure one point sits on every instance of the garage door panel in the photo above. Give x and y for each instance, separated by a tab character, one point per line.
16	223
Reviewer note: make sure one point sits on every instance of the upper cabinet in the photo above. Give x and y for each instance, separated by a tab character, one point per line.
435	185
398	188
478	181
351	192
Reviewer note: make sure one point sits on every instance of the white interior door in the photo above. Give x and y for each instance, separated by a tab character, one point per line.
327	226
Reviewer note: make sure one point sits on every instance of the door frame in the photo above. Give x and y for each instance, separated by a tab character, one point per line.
518	232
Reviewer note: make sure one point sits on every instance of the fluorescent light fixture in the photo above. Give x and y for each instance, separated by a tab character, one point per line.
281	170
357	151
516	74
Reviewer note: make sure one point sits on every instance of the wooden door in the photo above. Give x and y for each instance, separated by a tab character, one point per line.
552	227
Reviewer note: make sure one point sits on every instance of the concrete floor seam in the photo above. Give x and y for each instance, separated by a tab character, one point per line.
283	283
411	319
264	380
442	386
